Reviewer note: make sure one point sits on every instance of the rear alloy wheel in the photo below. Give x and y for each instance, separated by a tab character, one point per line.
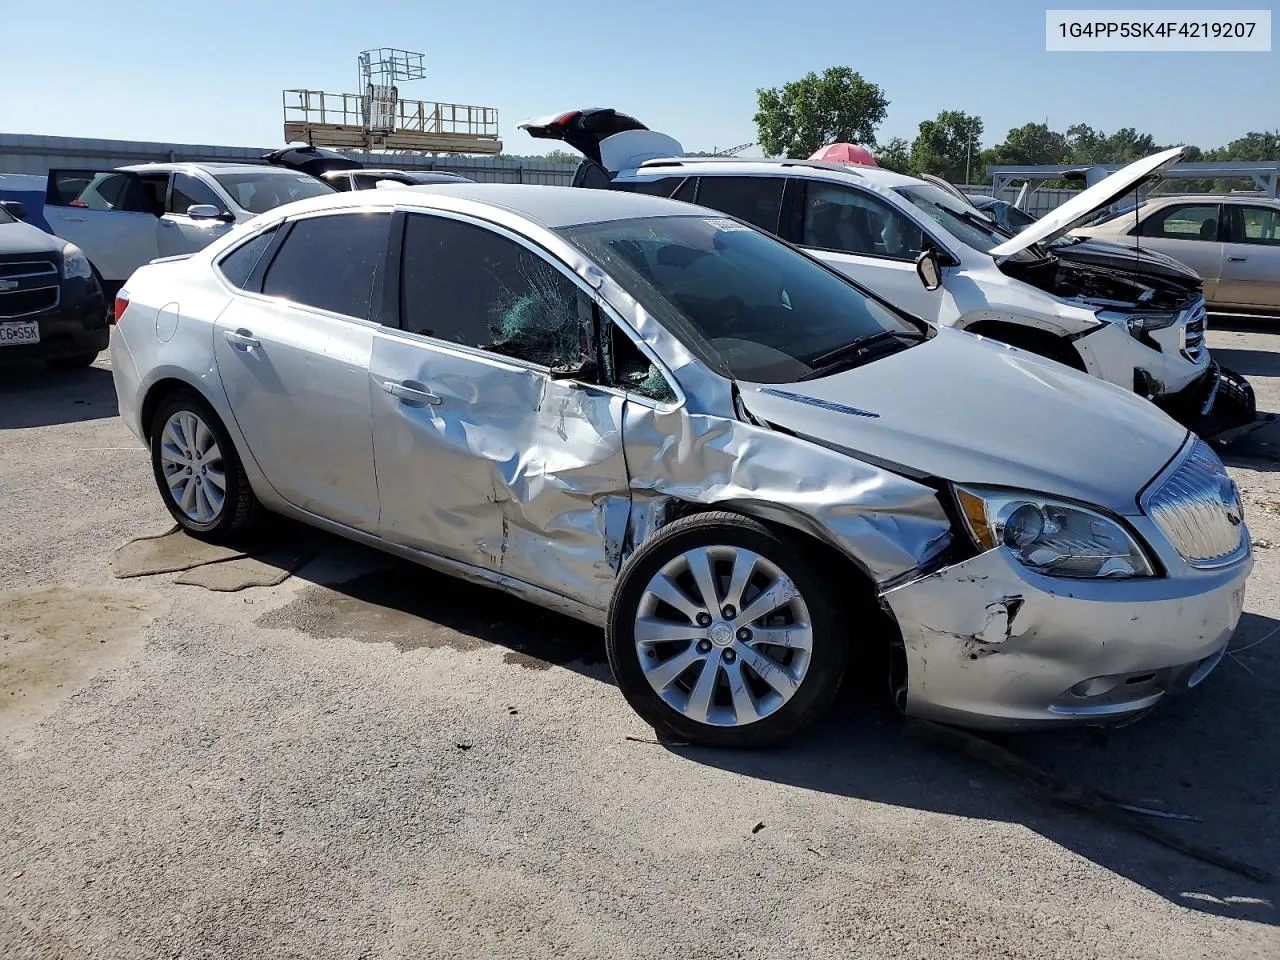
721	632
197	471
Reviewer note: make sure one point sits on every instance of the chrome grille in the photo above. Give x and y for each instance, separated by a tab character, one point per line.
1193	337
22	303
28	268
1198	508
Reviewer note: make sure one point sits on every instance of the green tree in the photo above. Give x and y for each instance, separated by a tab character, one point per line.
948	146
797	118
895	155
1093	146
1252	146
563	156
1030	143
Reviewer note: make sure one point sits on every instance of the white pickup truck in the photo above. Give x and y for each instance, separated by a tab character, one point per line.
127	217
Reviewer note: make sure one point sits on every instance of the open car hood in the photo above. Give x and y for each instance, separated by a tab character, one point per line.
1088	202
612	139
969	410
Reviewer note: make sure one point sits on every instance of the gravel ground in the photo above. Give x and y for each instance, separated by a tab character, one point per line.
370	760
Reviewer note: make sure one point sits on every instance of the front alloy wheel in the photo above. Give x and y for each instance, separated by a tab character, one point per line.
722	632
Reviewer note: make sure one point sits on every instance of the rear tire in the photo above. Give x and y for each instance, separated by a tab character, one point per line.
198	472
75	362
755	663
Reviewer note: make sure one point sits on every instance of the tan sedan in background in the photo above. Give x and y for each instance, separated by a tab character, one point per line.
1232	242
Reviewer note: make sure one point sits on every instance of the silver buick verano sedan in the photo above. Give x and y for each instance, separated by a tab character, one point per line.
749	470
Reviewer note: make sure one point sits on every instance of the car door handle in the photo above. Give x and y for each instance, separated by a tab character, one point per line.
409	393
73	219
166	223
1237	259
241	338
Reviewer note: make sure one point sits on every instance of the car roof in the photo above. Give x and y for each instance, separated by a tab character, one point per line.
1209	198
551	207
207	167
814	169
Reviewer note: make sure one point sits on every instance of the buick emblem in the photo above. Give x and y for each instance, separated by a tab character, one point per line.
1230	498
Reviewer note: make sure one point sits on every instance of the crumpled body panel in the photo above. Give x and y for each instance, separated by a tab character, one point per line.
991	643
510	472
887	523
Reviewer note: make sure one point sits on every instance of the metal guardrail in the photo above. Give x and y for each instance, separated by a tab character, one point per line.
316	107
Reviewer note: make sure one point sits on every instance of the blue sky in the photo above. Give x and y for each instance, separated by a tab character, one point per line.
212	73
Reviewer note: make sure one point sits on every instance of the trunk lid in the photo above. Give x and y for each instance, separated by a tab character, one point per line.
602	134
1082	206
974	411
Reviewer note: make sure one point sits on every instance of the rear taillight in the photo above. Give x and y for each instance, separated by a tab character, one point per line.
77	203
122	304
564	118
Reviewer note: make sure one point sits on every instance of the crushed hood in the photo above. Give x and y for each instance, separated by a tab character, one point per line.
974	411
1088	202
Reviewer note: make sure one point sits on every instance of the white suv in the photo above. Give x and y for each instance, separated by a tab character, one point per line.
125	218
938	258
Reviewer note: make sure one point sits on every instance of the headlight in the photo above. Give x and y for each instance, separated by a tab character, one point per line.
1051	536
1139	325
75	263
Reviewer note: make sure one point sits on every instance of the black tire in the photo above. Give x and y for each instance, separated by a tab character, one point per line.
241	511
75	362
829	655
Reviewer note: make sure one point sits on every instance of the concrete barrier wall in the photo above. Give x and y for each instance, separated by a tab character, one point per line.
37	155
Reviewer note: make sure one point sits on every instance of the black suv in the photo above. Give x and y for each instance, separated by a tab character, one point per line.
51	303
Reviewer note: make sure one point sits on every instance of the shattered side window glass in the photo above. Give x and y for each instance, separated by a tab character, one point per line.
633	371
468	285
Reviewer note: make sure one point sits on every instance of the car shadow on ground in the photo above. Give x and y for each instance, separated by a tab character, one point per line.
362	594
1212	754
36	395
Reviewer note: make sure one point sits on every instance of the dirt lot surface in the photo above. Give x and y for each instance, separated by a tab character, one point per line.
366	759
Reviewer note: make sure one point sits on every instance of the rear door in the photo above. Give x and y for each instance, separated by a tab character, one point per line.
482	456
293	359
110	214
180	233
1190	233
1251	257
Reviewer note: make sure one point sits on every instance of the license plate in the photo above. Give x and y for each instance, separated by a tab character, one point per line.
27	331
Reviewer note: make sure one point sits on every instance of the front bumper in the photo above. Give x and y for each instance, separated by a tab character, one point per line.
1160	370
1218	401
76	326
989	643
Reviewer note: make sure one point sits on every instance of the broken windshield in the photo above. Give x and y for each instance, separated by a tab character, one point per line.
748	305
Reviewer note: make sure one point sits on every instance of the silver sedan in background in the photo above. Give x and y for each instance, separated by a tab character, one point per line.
748	469
1233	242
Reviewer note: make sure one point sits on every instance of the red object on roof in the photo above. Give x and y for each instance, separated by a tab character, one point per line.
846	153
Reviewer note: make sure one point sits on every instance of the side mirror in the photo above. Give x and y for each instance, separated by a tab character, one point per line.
203	211
585	370
929	269
15	209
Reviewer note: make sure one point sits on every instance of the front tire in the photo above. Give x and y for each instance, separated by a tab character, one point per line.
198	472
723	632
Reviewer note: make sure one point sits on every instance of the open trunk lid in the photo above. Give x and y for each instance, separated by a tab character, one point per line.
602	134
1082	206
